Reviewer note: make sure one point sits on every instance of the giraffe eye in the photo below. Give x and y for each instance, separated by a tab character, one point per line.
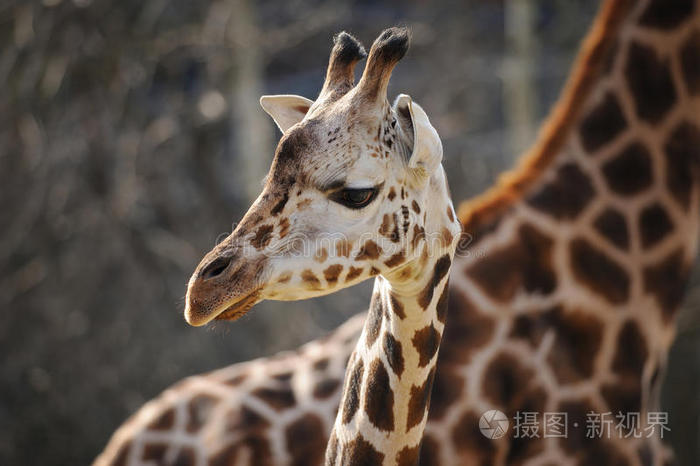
354	198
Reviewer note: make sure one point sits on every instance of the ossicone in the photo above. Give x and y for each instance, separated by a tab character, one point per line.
386	51
340	76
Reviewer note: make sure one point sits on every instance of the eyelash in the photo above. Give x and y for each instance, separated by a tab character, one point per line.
345	197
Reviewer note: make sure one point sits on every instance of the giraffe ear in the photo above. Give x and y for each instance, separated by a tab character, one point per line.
286	110
426	154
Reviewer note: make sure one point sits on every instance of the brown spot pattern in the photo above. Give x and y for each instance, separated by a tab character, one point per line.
198	410
690	65
503	379
588	451
442	304
419	401
602	124
613	226
379	400
630	172
650	82
530	328
185	457
408	456
369	250
284	227
245	419
631	353
623	396
415	207
426	342
654	225
351	397
310	279
418	236
280	205
599	273
666	14
164	421
236	380
256	445
442	266
306	440
524	265
385	228
429	451
405	272
394	353
360	451
284	376
262	237
374	320
332	450
353	272
566	196
578	340
321	364
395	260
467	331
666	281
682	150
470	442
578	337
122	454
303	204
331	273
522	448
405	214
446	237
395	235
277	398
325	388
343	248
397	307
154	451
321	255
447	389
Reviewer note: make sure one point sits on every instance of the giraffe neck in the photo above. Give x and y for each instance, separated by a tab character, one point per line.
390	374
590	241
383	410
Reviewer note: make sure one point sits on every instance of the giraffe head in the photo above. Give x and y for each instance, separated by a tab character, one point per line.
355	186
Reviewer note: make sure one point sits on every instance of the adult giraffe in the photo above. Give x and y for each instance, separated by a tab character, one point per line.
570	306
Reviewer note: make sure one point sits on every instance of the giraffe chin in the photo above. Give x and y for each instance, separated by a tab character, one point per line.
239	308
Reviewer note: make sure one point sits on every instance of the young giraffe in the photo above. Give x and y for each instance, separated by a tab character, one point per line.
347	185
343	203
569	305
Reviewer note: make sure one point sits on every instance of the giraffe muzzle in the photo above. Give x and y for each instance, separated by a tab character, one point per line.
223	287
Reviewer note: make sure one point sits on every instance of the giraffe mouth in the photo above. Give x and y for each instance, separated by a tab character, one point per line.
239	308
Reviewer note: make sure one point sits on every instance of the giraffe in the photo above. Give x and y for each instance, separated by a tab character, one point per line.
564	300
379	164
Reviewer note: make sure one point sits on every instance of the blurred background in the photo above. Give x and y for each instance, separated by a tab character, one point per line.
131	139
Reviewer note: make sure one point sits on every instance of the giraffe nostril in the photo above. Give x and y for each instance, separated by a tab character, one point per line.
215	267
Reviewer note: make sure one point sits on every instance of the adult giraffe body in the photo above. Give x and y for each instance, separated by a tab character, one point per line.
568	307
